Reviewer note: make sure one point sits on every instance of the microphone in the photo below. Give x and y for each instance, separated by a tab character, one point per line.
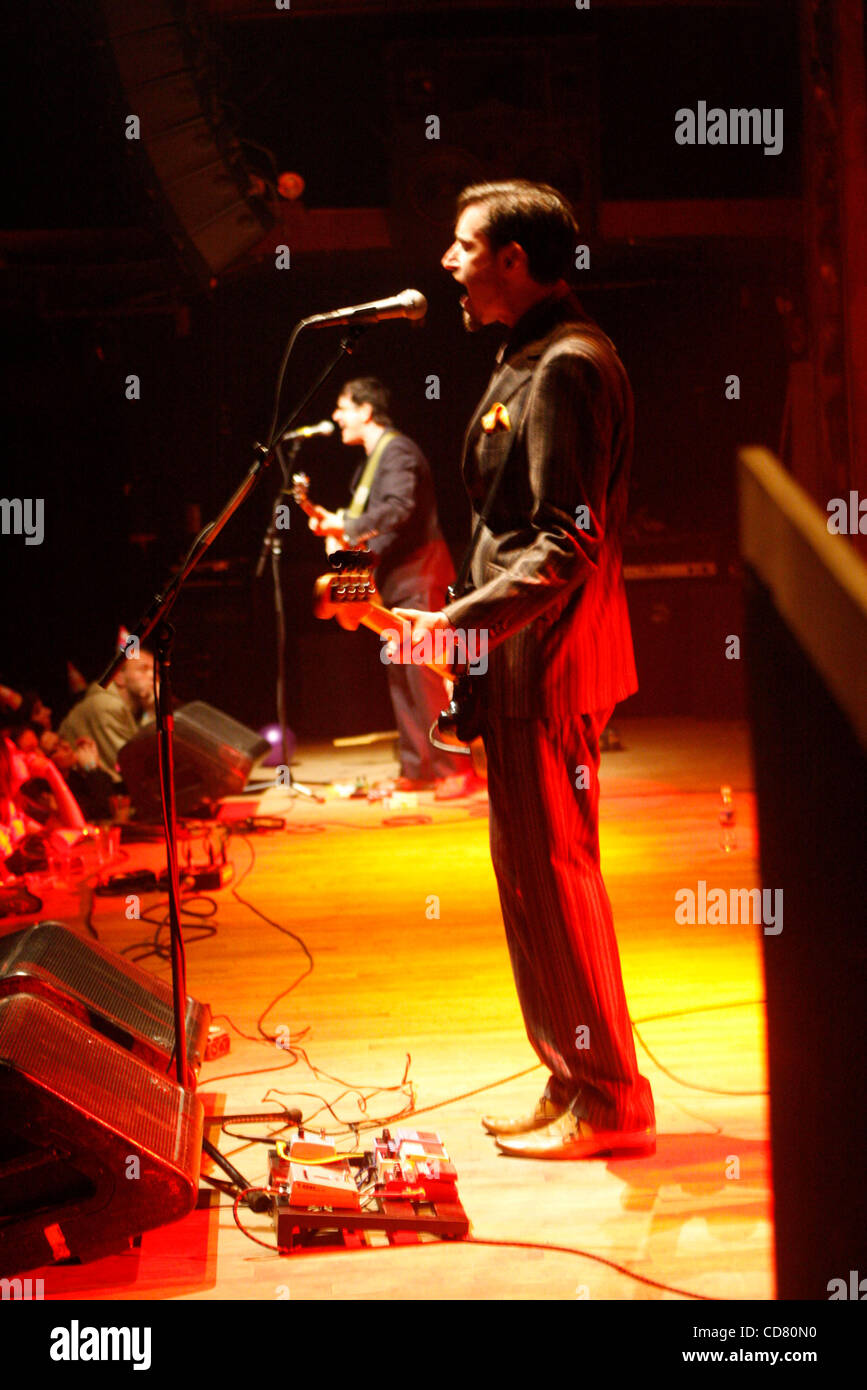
410	304
307	431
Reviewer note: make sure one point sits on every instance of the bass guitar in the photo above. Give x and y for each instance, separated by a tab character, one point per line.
351	598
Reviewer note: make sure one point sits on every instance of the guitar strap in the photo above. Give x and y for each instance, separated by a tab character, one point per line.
365	482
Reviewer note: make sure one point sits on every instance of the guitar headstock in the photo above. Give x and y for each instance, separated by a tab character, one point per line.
300	487
347	596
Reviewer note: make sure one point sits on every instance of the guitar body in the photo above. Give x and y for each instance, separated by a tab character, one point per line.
464	718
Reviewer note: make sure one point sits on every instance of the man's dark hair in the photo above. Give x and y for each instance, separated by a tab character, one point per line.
534	215
366	389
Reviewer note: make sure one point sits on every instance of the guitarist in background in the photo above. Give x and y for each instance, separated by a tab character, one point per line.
393	512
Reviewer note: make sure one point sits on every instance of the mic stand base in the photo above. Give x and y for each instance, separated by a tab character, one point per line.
292	787
299	789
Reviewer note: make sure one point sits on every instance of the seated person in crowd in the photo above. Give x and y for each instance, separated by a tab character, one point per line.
91	786
33	796
30	721
112	717
25	737
35	712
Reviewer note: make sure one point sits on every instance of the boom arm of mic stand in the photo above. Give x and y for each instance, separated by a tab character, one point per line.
158	612
162	603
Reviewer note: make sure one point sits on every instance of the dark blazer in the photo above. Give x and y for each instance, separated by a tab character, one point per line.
414	566
548	589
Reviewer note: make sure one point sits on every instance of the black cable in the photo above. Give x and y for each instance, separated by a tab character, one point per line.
278	389
314	827
249	1139
154	947
353	1127
249	869
296	982
254	1037
681	1013
487	1086
165	763
497	1244
88	915
702	1009
277	1249
356	1127
588	1255
453	1100
251	1071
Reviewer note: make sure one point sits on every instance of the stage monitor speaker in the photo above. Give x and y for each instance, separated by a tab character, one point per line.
103	991
96	1147
213	757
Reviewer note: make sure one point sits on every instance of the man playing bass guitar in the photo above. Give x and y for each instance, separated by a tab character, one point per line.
393	513
556	426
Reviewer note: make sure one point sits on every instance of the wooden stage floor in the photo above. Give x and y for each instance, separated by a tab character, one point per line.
397	989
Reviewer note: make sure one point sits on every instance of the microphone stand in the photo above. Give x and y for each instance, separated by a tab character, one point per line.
270	535
274	543
157	617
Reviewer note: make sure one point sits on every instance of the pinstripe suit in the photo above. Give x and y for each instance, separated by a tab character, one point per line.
548	588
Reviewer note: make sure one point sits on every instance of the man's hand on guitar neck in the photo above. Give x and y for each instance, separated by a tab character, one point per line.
329	525
422	625
325	523
422	622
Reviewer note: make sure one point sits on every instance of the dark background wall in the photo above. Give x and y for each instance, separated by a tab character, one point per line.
338	98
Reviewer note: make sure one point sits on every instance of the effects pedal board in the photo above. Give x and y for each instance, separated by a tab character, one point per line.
405	1183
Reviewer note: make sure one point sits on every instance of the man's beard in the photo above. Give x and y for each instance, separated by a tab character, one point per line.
471	323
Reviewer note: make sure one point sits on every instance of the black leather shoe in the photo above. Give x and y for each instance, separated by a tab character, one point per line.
545	1112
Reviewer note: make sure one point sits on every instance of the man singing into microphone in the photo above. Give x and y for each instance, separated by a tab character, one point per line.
393	512
548	589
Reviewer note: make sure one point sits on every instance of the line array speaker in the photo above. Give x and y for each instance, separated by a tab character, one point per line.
194	166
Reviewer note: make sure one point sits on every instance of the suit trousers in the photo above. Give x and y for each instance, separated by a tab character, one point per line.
417	696
545	847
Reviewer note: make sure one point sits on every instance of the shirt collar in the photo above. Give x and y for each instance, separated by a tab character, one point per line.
537	319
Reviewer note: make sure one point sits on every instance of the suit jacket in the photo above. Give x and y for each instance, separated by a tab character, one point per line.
414	566
548	579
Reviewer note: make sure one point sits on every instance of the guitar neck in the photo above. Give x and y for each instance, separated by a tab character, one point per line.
381	620
308	507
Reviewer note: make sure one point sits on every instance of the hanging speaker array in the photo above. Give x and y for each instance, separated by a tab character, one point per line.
191	160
